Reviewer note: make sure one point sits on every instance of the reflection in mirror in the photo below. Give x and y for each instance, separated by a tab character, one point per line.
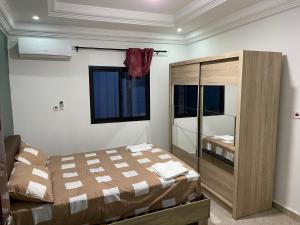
184	115
218	123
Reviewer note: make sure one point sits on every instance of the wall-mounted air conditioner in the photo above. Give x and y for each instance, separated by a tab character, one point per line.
32	47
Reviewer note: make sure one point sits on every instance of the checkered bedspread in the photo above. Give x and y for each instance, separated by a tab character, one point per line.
104	186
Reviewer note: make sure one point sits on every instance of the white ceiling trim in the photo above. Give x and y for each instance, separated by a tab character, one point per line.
71	32
242	17
93	13
195	9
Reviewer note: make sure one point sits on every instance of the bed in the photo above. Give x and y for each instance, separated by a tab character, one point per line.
116	187
219	149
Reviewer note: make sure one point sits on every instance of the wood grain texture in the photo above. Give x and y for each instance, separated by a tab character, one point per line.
187	74
170	108
220	72
257	128
218	163
211	194
218	180
228	55
4	195
257	76
197	211
188	158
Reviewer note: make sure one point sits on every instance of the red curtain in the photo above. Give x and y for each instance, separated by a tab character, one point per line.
138	61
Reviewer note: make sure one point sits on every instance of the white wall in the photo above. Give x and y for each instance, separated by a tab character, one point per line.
278	33
37	85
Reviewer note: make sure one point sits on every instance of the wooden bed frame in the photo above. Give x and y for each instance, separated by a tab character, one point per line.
196	212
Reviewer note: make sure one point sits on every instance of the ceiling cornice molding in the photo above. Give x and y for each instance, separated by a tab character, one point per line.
195	9
71	32
6	21
103	14
242	17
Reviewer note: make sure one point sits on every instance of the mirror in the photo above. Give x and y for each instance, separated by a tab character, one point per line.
219	109
184	118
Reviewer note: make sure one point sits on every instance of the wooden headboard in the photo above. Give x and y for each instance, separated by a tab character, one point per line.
12	146
8	150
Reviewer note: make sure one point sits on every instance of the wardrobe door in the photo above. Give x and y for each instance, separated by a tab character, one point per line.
4	200
224	71
184	112
217	139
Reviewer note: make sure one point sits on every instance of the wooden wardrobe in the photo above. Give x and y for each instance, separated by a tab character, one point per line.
246	187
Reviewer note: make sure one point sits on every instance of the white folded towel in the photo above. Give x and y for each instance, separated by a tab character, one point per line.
140	147
169	170
225	138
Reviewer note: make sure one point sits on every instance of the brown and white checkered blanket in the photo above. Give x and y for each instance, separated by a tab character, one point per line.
104	186
225	150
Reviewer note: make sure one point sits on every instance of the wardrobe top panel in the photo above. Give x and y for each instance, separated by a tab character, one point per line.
237	54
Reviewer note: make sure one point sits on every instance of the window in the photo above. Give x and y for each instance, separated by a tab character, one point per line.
185	101
117	97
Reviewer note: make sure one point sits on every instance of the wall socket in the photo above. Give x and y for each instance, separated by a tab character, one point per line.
296	115
55	108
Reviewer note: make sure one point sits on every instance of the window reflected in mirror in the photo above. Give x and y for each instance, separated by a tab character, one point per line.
218	123
184	124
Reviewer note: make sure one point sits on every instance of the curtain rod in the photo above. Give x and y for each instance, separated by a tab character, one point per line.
112	49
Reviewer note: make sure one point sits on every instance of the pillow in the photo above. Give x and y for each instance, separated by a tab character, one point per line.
30	183
31	156
12	147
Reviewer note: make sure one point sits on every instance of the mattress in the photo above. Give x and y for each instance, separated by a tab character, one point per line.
219	149
105	186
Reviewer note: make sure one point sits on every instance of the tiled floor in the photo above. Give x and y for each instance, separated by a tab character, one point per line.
220	216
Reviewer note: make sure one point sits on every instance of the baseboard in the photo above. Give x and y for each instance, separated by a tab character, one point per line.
286	211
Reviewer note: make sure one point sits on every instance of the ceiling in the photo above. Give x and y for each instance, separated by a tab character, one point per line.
154	6
148	20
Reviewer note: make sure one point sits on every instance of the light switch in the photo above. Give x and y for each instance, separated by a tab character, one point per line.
55	108
61	105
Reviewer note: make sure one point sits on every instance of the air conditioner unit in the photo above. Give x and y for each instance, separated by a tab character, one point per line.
30	47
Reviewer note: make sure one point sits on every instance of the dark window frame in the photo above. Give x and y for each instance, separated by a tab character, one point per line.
121	70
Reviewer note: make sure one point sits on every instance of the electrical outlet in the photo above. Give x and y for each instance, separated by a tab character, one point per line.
55	108
296	115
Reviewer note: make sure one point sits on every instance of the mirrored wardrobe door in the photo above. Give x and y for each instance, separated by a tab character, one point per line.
219	110
184	118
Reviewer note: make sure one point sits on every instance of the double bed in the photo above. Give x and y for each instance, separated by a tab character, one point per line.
116	186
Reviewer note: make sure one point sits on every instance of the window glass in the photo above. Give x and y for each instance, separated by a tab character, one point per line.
117	97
